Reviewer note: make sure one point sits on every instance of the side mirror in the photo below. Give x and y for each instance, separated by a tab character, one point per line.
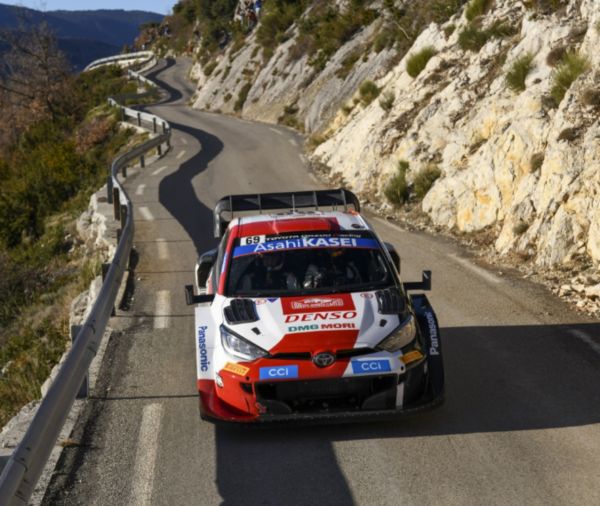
394	254
424	284
203	267
191	298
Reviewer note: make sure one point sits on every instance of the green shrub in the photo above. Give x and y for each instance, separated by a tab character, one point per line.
472	39
276	17
449	30
477	8
348	63
536	162
546	6
520	228
424	180
591	97
555	55
327	28
209	68
570	68
519	69
242	96
368	92
387	101
417	62
396	190
385	38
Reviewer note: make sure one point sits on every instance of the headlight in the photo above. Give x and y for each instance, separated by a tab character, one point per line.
240	348
402	336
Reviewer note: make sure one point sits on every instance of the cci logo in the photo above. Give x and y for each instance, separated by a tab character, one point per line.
370	366
279	372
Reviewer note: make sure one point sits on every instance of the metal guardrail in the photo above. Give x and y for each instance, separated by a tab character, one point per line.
23	469
145	56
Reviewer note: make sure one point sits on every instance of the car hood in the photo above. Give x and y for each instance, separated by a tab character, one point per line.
314	323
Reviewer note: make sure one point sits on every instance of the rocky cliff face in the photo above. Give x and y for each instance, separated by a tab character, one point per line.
522	164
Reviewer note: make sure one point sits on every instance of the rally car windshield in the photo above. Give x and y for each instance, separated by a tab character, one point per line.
306	263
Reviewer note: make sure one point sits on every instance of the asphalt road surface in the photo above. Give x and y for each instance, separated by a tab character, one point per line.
521	422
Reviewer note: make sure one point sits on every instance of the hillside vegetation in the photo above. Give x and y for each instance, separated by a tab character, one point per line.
56	143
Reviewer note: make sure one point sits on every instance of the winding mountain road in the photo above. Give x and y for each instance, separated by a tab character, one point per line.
521	422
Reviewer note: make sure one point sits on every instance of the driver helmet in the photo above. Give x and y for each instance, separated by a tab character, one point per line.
273	261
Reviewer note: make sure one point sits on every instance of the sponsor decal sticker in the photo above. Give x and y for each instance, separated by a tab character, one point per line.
323	326
370	366
202	351
305	242
279	372
317	303
411	356
342	302
327	315
238	369
434	347
259	302
252	239
366	295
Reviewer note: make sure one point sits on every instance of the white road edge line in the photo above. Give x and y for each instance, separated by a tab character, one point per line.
293	142
159	170
140	189
181	154
276	131
184	141
476	269
163	249
387	223
163	309
145	456
582	336
146	214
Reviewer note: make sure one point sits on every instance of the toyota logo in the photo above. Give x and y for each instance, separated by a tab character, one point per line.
324	359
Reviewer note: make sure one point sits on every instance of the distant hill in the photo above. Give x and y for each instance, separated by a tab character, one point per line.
84	35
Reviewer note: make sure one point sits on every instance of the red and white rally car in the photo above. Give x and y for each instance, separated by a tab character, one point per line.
301	315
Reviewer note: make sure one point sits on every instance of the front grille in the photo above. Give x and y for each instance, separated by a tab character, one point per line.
328	395
339	355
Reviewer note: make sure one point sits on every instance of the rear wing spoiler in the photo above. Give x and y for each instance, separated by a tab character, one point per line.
229	206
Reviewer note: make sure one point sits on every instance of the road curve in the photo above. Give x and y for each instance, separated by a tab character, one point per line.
521	423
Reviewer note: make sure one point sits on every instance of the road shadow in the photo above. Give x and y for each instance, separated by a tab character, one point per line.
173	94
176	191
498	379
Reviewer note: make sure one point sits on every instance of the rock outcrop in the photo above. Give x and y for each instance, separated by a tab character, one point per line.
520	163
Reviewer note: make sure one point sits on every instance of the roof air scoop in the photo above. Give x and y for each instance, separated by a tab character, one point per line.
241	311
390	301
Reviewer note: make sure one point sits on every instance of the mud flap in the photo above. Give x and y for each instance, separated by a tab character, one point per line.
432	342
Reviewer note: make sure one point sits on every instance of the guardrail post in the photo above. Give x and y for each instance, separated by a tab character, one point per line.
123	215
105	268
159	149
123	114
84	388
164	127
116	204
139	118
154	124
109	188
142	162
124	171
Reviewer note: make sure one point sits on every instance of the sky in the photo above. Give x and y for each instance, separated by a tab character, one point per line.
160	6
